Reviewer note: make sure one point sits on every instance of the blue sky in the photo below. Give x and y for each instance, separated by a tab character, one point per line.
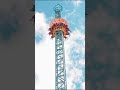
74	13
77	12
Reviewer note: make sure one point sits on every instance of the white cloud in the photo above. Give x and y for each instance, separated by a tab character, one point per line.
74	74
40	24
70	14
83	85
76	2
45	57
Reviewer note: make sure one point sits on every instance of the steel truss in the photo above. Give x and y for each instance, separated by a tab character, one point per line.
60	71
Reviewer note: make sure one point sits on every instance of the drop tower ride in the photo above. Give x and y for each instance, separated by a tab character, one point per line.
59	29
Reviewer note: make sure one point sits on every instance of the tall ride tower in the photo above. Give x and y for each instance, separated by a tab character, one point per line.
59	29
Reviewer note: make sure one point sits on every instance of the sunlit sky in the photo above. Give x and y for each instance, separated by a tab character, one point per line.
74	13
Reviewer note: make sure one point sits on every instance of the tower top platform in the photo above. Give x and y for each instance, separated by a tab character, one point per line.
58	24
58	21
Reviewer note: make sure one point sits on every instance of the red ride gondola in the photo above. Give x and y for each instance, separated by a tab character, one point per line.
59	24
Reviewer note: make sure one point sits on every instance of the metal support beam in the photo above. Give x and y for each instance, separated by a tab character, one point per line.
60	71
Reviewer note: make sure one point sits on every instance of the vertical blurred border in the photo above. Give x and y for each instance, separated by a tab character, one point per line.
102	45
17	45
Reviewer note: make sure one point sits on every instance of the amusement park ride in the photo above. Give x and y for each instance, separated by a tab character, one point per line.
59	29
